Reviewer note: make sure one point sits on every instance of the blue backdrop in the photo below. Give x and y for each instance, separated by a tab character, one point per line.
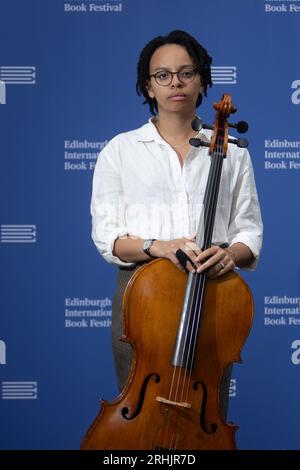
67	85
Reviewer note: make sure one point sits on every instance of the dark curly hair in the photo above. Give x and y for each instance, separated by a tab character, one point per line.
195	50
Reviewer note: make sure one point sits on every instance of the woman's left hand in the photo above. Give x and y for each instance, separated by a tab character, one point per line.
217	261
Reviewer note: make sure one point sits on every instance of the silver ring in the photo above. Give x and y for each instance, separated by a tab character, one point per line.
222	264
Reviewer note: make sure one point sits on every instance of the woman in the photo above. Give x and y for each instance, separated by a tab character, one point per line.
149	183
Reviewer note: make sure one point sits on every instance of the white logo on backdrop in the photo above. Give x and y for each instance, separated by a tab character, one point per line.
282	154
85	6
19	390
85	312
281	310
290	6
15	75
81	154
2	92
2	352
18	233
18	75
295	358
295	97
232	388
224	75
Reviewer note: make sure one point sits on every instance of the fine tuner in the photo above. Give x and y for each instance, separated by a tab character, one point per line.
198	124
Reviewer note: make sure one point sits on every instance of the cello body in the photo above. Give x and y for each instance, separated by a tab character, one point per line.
145	415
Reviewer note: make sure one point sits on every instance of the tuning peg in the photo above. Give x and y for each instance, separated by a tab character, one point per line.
242	143
197	124
198	142
241	126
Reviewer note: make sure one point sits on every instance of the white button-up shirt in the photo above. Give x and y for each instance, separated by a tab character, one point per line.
140	189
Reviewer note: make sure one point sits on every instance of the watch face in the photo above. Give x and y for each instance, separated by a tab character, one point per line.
147	244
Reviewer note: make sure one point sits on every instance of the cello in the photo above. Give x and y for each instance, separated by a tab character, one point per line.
185	330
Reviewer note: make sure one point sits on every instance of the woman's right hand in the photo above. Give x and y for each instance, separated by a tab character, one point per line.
168	249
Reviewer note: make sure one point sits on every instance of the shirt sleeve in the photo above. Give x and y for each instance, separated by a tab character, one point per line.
245	224
107	205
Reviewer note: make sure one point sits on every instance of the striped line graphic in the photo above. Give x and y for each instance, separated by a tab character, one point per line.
19	390
2	92
224	75
18	234
2	352
14	74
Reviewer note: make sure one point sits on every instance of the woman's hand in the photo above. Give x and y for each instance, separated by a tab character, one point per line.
168	249
217	261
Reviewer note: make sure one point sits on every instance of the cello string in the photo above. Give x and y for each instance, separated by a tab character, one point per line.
209	216
200	286
217	174
185	357
210	204
178	371
209	222
196	286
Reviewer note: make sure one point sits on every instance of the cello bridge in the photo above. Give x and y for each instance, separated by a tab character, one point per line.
174	403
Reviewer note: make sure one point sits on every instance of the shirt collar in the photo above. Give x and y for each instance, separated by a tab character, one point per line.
149	133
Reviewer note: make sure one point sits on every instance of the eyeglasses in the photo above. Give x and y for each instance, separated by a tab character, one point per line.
165	77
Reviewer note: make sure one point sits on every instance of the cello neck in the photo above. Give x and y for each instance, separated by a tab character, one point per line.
185	346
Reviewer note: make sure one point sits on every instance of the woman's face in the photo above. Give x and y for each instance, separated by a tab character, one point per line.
177	96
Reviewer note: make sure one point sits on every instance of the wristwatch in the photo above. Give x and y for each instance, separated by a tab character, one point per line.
147	245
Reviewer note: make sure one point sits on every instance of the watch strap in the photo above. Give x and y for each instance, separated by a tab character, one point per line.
147	246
